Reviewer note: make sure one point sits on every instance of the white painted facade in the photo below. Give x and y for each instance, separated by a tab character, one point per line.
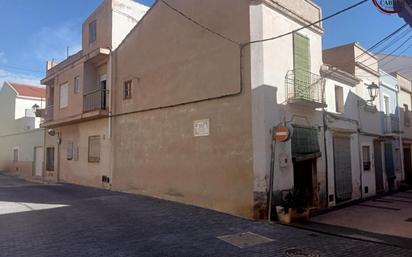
391	122
270	63
125	16
19	130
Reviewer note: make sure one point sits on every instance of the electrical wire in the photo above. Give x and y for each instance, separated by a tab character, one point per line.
241	47
309	25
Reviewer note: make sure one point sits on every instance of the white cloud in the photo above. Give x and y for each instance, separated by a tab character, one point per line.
51	42
18	77
3	59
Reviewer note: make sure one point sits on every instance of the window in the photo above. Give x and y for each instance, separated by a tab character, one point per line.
127	90
339	100
94	149
50	158
77	85
366	157
92	31
76	153
69	154
407	117
15	154
386	105
302	66
64	98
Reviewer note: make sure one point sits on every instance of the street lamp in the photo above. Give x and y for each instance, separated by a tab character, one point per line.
35	107
373	90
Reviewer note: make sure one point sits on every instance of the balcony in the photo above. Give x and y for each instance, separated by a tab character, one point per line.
95	100
94	107
390	124
305	88
48	114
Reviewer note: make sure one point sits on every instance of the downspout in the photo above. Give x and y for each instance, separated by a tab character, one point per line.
58	141
325	128
400	136
113	72
360	103
44	155
110	128
271	177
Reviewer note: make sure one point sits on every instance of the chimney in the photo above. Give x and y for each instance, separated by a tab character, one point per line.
50	64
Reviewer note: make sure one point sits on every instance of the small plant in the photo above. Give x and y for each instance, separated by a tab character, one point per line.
295	200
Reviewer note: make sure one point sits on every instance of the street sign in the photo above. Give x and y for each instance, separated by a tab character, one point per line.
281	133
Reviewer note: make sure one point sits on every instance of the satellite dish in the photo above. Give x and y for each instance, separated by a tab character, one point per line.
51	132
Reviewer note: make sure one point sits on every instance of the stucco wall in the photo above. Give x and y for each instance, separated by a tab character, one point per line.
18	133
103	17
172	61
25	142
270	63
80	170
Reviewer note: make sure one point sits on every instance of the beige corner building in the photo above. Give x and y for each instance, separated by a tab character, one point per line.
156	104
79	140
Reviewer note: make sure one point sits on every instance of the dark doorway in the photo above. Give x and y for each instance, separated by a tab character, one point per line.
407	162
378	167
305	180
103	91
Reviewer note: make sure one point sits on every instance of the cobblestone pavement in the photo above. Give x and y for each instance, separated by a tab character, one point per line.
77	221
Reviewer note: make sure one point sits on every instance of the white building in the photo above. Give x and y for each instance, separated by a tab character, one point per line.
21	139
392	156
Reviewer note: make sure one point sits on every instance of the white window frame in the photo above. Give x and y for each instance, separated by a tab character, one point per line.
77	85
64	100
336	99
18	154
371	152
387	112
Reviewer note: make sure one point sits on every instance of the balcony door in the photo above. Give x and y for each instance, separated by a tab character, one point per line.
103	90
302	66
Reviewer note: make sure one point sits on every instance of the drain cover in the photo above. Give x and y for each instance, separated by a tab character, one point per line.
295	252
243	240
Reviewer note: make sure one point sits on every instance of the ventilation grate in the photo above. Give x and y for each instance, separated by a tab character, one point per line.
243	240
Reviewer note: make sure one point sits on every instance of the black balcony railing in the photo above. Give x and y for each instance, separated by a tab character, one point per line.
48	114
95	100
304	86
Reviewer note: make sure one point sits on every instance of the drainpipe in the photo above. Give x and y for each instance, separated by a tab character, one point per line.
58	141
360	104
44	155
400	136
271	177
111	101
325	128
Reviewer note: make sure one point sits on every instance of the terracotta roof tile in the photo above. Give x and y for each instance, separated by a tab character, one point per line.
29	90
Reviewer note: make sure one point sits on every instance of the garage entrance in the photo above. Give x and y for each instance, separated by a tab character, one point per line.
343	168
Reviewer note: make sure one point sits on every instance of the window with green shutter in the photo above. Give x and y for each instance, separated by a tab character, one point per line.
301	61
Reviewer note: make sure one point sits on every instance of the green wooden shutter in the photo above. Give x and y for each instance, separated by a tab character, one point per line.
301	60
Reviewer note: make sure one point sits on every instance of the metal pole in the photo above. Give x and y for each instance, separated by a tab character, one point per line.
271	177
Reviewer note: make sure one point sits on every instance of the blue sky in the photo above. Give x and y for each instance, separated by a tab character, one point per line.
35	31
